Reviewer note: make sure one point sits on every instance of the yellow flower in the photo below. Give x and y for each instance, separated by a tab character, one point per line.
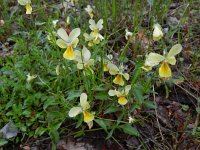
96	27
26	3
114	70
121	94
68	41
153	59
157	32
89	10
30	78
84	106
83	58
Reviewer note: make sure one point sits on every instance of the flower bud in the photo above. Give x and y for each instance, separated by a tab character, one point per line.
157	33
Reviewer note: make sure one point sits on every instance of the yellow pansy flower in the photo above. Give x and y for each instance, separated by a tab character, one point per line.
68	41
153	59
114	70
83	58
96	27
26	3
89	10
157	32
83	108
121	94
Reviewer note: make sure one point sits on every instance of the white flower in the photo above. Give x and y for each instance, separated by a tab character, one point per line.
68	41
128	34
96	27
114	70
83	58
121	94
89	10
131	120
54	22
157	32
30	78
83	108
26	3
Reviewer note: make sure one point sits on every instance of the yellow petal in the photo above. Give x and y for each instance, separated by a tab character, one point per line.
105	67
119	80
122	100
164	70
28	9
69	53
88	117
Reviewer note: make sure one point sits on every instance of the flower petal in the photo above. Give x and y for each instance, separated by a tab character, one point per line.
146	68
113	70
83	101
78	56
74	34
69	53
75	42
126	76
164	70
90	124
119	80
112	92
92	24
176	49
100	24
86	54
63	34
153	59
105	67
74	111
88	117
122	100
171	60
61	43
157	33
127	89
28	9
23	2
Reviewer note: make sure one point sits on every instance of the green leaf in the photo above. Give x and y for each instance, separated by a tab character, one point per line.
49	102
101	96
3	142
137	91
39	131
110	134
101	123
73	94
54	136
150	104
198	110
128	129
112	109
